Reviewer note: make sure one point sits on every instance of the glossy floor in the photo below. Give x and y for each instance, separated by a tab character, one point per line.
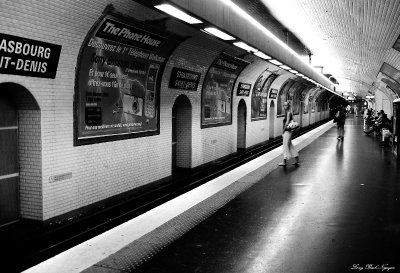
338	212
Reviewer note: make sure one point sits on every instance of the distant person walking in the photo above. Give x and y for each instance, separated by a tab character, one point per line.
348	109
288	149
340	118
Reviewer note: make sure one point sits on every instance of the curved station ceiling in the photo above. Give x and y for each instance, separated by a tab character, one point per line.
353	43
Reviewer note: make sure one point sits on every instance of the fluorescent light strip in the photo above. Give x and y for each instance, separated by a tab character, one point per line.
262	55
255	23
285	67
245	46
293	71
218	33
178	13
275	62
246	16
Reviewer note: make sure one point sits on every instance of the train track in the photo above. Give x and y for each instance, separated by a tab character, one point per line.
45	242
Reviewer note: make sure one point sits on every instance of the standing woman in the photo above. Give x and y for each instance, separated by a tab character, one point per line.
340	120
288	149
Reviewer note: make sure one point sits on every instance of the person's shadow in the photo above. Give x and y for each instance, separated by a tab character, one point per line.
339	150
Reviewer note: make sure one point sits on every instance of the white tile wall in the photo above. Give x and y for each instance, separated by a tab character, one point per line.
106	169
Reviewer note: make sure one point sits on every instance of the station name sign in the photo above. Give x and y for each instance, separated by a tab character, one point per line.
273	94
26	57
243	89
184	79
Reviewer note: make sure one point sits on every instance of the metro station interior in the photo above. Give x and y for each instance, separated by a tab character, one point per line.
150	136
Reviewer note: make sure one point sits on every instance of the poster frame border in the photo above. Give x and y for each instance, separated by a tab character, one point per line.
245	64
79	141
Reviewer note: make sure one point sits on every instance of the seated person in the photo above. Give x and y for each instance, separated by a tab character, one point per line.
386	136
379	119
386	123
379	122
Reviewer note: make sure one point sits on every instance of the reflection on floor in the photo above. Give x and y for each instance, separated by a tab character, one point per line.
338	212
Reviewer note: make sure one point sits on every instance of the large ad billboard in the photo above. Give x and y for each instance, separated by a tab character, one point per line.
218	89
260	94
118	80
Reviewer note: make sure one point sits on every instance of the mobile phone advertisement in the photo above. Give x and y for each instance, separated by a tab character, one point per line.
218	89
118	78
260	94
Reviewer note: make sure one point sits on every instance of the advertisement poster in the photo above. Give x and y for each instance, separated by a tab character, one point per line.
117	83
243	89
304	99
282	96
292	96
26	57
292	90
297	98
260	94
217	90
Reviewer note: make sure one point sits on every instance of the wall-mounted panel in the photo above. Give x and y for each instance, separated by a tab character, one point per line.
218	89
118	77
259	95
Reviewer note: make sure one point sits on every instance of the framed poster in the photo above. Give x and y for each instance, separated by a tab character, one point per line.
216	96
282	93
260	94
118	76
297	97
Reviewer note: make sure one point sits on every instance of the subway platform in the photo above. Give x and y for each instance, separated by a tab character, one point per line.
339	211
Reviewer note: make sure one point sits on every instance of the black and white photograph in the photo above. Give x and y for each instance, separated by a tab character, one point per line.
199	136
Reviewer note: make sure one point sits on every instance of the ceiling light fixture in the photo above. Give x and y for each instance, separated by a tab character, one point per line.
218	33
262	55
171	10
256	24
285	67
275	62
245	46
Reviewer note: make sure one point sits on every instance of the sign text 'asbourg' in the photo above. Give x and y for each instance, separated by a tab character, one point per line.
21	56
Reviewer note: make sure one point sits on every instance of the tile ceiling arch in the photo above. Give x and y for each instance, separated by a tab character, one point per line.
350	39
